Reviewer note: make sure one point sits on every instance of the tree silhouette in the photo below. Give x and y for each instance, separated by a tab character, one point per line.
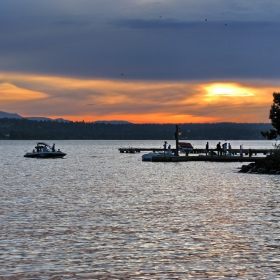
274	115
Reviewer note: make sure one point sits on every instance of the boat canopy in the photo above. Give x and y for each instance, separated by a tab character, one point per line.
40	144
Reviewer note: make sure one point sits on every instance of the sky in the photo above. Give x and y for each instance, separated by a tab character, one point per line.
143	61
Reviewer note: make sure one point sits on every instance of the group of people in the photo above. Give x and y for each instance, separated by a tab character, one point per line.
169	151
220	148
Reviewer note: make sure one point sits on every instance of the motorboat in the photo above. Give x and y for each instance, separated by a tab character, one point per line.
150	156
43	150
182	146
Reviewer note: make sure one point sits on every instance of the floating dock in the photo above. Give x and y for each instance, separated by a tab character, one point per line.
227	158
236	155
247	152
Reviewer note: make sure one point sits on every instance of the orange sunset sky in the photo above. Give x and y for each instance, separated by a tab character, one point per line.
136	101
140	61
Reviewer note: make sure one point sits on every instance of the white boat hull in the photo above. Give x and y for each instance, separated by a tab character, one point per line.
150	156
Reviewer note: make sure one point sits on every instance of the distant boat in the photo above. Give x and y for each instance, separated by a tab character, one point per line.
43	150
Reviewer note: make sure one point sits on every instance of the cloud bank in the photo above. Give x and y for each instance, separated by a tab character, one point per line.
142	40
139	60
136	101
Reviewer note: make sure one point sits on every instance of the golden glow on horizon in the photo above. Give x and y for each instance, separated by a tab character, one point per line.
135	101
140	119
230	90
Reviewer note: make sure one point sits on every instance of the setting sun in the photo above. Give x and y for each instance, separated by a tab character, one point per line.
230	90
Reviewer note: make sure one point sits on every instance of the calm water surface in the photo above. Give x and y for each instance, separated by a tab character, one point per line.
99	214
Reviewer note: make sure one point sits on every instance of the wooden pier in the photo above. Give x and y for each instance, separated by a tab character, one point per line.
236	155
131	150
246	152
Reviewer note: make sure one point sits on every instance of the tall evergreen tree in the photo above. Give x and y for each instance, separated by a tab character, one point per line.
274	115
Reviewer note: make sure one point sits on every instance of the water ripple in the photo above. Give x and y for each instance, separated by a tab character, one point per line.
112	216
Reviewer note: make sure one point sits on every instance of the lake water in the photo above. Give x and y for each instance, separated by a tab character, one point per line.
100	214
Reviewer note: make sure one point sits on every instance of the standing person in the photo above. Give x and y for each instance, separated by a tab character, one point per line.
225	148
229	148
241	150
207	148
164	146
219	148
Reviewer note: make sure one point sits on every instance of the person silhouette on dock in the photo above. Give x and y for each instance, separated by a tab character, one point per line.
164	146
219	148
229	148
169	151
224	148
207	148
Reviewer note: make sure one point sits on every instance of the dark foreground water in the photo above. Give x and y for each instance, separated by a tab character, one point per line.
99	214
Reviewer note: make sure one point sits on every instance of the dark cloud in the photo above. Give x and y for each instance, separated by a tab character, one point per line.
80	44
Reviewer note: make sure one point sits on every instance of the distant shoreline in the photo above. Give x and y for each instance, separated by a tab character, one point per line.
24	129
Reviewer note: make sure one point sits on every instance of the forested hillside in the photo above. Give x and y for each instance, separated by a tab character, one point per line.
20	129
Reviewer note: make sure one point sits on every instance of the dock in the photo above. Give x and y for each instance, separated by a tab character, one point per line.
131	150
198	154
246	152
206	158
236	155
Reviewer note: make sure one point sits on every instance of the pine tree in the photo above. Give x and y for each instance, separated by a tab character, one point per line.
274	115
